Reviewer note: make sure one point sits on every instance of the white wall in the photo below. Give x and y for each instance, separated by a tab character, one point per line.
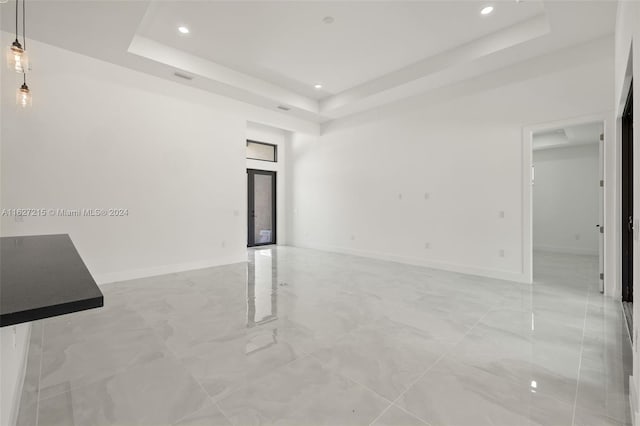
102	136
280	138
627	58
102	139
360	187
14	344
566	199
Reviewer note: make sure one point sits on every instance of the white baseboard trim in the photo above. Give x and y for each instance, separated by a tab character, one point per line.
462	269
133	274
566	250
633	402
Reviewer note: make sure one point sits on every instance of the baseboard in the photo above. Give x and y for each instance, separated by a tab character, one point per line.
111	277
462	269
633	402
566	250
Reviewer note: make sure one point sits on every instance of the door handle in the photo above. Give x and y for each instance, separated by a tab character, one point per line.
630	224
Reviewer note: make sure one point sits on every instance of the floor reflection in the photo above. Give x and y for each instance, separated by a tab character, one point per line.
262	299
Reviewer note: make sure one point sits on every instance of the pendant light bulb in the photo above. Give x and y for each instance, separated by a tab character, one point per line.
17	58
23	96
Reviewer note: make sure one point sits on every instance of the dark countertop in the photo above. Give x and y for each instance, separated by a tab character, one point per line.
42	276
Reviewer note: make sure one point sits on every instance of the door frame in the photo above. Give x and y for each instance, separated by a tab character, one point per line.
251	204
608	284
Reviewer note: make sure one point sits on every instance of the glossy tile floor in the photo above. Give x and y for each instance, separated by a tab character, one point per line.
303	337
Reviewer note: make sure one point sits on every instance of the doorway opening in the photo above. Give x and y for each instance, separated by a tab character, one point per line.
261	207
627	209
568	200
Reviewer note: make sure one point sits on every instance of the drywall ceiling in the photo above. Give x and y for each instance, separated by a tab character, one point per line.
570	136
272	53
288	43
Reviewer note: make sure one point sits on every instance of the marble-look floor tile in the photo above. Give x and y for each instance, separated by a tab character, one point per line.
210	415
588	418
225	366
395	416
446	327
561	387
183	333
453	393
70	361
304	392
304	337
115	315
489	344
158	393
384	356
603	390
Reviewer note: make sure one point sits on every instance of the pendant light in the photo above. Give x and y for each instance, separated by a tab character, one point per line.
17	58
23	95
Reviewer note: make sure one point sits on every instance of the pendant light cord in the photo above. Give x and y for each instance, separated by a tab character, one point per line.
17	2
24	26
24	37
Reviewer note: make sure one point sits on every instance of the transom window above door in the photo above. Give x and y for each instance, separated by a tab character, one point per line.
262	151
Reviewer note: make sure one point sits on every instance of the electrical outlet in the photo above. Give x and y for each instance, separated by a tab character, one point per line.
427	245
353	237
501	214
224	244
399	196
577	237
501	253
427	195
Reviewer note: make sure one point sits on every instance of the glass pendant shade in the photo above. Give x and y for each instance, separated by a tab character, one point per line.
17	58
23	96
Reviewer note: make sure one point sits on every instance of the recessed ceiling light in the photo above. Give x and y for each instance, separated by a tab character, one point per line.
318	86
486	10
328	20
183	30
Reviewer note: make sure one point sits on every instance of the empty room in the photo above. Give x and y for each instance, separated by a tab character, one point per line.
307	213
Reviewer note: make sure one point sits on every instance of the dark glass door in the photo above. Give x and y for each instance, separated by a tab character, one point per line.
261	229
627	200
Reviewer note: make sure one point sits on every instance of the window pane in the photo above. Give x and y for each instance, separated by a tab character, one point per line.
261	151
263	209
